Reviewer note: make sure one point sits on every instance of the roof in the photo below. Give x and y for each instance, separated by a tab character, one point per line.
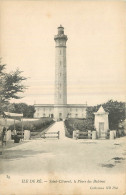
60	26
43	105
67	105
13	115
101	111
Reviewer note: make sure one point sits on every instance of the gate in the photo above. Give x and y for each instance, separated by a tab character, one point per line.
51	135
83	135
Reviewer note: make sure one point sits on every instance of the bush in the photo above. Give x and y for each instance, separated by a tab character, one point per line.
69	129
32	125
78	124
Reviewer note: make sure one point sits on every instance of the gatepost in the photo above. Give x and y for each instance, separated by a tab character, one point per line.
89	134
8	135
74	134
94	135
77	134
27	134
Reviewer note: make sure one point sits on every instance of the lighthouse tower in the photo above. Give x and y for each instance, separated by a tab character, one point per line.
60	107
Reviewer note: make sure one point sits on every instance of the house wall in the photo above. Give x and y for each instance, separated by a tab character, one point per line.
101	118
43	111
67	111
76	112
60	112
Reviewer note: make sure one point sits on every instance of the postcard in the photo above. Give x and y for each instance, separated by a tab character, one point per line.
62	97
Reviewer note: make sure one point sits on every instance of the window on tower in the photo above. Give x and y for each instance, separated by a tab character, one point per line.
60	63
60	52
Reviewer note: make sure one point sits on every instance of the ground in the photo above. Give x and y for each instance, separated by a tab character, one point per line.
67	155
64	158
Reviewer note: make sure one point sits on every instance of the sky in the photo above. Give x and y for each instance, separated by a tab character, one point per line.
96	48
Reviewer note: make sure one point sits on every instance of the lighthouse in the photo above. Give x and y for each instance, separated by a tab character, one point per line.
60	105
60	110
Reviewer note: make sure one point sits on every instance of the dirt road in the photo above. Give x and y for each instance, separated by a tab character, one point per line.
70	156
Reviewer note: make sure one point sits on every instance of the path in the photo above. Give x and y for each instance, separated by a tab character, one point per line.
62	160
58	126
69	157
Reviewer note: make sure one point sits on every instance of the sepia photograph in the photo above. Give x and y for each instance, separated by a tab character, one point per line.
62	97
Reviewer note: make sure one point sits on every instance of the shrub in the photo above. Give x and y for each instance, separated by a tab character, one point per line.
78	124
32	125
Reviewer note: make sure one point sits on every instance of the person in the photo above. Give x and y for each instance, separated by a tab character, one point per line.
3	136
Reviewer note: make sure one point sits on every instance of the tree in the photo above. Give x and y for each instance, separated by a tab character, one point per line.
10	85
116	112
89	121
27	110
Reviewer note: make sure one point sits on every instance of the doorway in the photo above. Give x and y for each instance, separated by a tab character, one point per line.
101	130
60	116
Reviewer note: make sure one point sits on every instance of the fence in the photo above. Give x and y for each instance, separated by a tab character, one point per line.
51	135
103	135
82	135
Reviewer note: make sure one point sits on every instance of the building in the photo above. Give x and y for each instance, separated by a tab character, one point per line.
60	109
101	123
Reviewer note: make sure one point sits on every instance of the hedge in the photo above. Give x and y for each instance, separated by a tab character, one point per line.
32	125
